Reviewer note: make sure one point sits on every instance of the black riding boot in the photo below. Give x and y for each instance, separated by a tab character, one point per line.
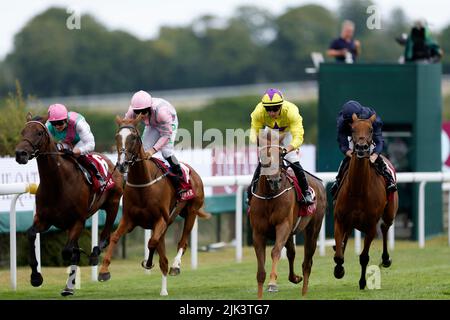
300	174
342	167
382	167
255	176
97	173
175	166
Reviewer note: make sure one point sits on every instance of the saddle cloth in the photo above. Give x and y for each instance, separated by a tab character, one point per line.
304	209
102	167
185	182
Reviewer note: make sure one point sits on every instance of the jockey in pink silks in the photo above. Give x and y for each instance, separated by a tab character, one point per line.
73	135
161	124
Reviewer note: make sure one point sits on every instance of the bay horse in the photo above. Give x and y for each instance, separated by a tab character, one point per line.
362	201
149	201
274	216
64	198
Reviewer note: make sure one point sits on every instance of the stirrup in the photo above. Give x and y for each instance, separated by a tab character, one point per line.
307	198
392	187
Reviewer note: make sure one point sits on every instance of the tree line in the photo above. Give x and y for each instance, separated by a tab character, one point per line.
252	46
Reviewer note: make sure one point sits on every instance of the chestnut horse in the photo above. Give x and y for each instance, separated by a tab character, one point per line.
149	201
274	216
64	198
362	201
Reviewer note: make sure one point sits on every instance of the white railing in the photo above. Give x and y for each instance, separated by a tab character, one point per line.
241	182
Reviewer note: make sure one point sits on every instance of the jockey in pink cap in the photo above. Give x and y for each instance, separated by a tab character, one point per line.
73	134
161	124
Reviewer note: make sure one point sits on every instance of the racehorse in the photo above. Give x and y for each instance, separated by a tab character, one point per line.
149	201
361	201
274	214
64	198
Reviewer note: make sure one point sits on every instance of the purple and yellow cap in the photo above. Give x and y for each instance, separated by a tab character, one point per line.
272	97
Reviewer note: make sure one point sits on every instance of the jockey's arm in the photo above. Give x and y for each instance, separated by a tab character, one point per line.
164	128
296	128
87	141
257	123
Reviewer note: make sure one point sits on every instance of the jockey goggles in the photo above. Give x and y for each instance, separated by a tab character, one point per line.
57	123
142	111
274	108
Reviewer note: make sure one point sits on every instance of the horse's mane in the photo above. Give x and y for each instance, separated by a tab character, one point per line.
42	119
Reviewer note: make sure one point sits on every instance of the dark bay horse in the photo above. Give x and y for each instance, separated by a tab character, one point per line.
274	216
64	198
149	201
362	201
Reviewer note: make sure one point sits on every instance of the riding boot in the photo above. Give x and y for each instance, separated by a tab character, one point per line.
300	174
382	167
97	174
342	167
255	177
176	169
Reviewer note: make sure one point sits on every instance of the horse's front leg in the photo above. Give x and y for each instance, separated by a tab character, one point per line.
72	248
158	231
259	244
110	208
163	265
36	277
364	256
282	231
290	252
339	235
125	226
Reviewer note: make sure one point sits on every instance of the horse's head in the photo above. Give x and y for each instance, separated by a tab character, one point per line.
35	138
128	142
270	157
362	132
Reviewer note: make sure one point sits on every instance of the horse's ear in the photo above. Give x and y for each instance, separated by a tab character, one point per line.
138	119
119	120
373	118
29	116
354	117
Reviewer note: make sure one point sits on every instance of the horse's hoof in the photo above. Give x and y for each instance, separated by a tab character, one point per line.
272	288
339	272
295	279
104	276
174	271
93	260
36	279
362	284
144	265
67	292
163	293
387	263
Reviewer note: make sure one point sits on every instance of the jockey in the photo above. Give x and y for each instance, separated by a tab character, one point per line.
276	113
344	132
161	124
71	129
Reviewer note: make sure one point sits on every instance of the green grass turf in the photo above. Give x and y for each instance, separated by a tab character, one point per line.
415	274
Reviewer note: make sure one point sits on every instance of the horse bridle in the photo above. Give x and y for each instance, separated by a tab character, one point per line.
133	158
35	147
368	140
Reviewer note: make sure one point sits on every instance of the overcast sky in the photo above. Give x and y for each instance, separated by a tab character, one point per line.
144	17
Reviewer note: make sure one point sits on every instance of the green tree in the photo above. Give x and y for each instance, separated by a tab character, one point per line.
301	31
14	112
444	40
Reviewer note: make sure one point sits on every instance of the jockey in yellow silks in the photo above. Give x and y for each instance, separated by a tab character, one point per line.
276	113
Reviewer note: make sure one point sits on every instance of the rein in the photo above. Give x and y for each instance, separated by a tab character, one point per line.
36	152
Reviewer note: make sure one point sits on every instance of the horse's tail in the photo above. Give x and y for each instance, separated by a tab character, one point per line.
201	213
